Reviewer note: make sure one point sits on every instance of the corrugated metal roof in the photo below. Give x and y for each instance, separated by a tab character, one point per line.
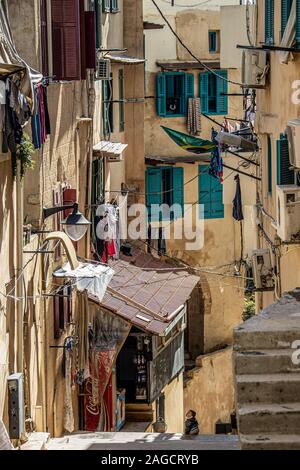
105	148
124	59
147	291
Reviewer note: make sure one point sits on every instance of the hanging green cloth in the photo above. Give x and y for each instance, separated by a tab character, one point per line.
190	143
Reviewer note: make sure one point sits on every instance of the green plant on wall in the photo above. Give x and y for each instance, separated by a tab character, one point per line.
249	307
25	151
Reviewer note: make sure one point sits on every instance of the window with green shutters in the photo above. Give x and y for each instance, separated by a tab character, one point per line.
270	173
210	195
164	185
285	175
173	89
213	92
269	21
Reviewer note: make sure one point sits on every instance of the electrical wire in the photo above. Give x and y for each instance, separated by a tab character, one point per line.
205	66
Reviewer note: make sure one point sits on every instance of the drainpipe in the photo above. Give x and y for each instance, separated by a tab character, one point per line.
19	289
91	109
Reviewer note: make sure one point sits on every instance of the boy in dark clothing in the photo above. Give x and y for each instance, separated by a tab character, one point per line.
191	424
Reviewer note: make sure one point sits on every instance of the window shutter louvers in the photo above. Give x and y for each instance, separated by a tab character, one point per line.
66	39
286	6
222	87
178	191
161	94
269	21
189	88
270	176
284	174
210	195
298	23
153	189
204	92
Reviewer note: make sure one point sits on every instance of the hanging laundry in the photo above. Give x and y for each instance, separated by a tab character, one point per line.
194	116
216	162
237	212
107	233
40	122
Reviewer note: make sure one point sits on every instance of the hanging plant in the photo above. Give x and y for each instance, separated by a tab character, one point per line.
25	151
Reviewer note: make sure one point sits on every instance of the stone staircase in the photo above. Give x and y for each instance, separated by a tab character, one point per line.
267	380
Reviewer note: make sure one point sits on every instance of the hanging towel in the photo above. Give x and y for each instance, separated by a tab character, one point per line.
237	212
68	406
194	116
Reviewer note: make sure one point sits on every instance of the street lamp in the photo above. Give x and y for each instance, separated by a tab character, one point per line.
75	224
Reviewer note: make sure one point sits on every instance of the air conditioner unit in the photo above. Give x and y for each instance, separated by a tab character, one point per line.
254	68
262	270
103	69
16	406
293	134
288	212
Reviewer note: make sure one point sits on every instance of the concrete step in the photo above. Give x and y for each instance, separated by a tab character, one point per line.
265	361
268	388
270	442
245	340
261	418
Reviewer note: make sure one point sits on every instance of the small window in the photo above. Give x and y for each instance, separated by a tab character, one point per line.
173	92
213	92
213	41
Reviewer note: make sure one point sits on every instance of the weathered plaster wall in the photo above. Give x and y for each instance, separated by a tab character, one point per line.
174	415
211	392
274	109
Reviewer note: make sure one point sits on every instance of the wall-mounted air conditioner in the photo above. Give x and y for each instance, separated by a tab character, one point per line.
254	68
103	69
262	270
16	406
288	212
293	134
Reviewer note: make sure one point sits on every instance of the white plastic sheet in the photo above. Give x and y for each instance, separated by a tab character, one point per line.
93	278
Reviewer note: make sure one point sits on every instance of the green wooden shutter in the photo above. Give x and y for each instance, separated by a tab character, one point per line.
121	104
153	191
284	174
98	10
161	94
212	40
106	6
298	23
204	191
189	88
269	21
222	87
203	77
210	194
270	173
286	6
178	190
217	206
114	6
